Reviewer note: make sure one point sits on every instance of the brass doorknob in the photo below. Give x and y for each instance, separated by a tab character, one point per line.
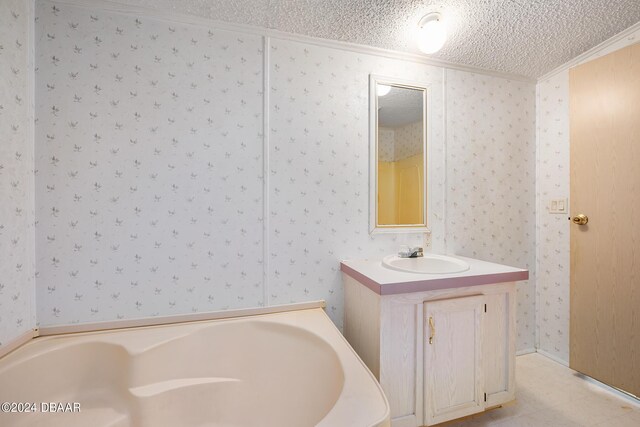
580	219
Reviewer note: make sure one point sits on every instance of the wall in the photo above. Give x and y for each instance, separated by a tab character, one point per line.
150	169
491	179
319	159
396	143
386	144
16	171
408	140
552	183
152	189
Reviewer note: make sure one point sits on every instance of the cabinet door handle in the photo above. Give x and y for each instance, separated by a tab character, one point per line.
432	330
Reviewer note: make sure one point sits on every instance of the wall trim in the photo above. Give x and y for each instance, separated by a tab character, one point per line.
634	400
17	342
266	170
538	214
178	318
630	398
445	144
525	351
113	6
553	357
31	134
593	51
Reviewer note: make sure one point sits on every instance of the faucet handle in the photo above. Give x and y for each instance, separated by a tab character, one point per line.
416	252
405	251
410	252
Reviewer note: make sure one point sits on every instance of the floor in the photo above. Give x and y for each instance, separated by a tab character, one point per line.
552	395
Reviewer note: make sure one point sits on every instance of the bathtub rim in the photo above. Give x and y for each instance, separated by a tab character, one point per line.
108	325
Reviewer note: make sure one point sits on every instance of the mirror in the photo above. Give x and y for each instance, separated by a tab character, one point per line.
399	146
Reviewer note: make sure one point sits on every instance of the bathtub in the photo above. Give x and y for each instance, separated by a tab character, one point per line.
282	369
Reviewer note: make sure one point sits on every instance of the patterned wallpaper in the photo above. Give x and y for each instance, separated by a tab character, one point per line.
16	172
553	230
149	157
150	176
400	142
408	140
150	168
386	144
319	168
491	179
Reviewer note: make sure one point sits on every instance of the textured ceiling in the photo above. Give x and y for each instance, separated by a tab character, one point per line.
525	37
400	107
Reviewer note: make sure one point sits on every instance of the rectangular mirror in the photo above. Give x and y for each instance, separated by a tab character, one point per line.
399	155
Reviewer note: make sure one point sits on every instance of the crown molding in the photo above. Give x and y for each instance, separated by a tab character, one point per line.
180	18
591	52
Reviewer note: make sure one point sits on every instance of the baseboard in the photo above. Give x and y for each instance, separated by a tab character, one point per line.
628	397
525	351
554	358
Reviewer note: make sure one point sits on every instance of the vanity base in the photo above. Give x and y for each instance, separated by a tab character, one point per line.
439	354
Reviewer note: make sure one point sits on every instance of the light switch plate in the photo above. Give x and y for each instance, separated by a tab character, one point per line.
558	206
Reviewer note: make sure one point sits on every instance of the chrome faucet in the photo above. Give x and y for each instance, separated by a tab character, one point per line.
409	252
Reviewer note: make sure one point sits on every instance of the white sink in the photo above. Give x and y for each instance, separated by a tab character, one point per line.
428	264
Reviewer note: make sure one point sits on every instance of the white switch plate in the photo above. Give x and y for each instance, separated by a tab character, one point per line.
558	206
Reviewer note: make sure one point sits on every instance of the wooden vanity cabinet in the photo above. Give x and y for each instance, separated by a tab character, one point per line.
439	355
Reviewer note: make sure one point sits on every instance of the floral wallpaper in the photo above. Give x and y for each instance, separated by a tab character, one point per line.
400	142
386	144
319	168
149	167
553	229
408	140
151	181
491	179
553	258
16	172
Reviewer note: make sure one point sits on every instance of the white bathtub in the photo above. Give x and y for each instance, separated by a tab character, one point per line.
284	369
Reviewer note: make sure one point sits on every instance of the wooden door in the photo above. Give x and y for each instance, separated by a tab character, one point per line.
605	186
453	377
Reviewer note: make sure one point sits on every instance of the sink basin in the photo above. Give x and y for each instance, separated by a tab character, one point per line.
428	264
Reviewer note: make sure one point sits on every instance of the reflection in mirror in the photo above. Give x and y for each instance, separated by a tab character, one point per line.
401	156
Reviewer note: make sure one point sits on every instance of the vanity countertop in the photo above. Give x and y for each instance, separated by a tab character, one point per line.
384	281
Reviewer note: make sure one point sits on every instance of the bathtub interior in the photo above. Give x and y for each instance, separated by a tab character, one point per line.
241	372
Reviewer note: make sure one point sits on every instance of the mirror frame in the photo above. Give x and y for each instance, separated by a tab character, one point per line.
374	227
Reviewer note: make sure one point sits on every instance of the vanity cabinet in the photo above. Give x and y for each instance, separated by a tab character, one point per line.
439	354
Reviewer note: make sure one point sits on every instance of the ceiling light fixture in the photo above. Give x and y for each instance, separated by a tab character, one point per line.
432	33
382	90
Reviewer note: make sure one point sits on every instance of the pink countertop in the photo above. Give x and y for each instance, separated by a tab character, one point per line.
384	281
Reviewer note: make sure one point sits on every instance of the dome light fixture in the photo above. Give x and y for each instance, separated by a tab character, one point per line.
432	33
382	90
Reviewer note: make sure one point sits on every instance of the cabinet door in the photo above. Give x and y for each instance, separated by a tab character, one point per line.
499	348
454	384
